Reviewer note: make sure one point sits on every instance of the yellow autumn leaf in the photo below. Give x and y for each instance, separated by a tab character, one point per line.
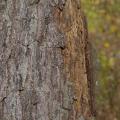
106	44
113	28
111	62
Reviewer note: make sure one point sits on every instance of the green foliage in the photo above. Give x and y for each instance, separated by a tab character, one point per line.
104	26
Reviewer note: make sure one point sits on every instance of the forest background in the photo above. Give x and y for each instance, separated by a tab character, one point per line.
104	33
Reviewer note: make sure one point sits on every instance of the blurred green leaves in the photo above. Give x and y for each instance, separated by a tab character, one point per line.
104	33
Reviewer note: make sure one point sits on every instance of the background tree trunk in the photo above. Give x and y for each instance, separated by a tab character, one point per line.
45	70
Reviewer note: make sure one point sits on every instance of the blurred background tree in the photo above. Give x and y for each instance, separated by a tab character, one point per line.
104	33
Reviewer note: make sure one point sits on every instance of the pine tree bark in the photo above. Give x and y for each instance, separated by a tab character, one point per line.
45	65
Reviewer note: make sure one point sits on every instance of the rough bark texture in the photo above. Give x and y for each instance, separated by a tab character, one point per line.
45	70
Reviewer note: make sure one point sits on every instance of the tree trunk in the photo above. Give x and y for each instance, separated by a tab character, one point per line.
45	69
